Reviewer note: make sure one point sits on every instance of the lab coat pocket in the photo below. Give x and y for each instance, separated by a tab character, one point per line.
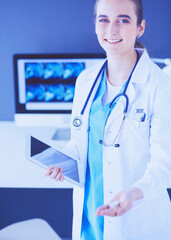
136	135
137	127
138	122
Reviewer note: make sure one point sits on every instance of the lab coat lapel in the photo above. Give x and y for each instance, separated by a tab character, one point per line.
138	77
85	118
86	89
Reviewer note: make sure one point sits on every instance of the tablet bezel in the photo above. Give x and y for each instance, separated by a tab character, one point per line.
50	144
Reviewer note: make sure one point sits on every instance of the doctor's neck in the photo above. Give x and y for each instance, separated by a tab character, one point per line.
119	67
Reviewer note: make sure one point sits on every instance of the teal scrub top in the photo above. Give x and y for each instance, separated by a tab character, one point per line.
92	226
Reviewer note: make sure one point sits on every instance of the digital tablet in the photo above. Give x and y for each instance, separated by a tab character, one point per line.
44	154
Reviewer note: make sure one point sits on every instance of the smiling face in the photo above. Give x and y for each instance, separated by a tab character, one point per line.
116	26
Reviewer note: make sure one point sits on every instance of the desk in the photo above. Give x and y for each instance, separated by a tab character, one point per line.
25	192
15	170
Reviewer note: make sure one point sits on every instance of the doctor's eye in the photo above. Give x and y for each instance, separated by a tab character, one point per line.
123	21
103	20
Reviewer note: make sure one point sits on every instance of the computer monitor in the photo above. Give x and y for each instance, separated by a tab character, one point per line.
45	85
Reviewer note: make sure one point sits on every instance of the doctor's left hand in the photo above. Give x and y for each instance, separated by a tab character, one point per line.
55	174
124	198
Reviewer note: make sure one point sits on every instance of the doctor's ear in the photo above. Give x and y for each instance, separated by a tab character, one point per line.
141	29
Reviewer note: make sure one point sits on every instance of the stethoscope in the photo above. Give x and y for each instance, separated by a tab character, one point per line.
77	121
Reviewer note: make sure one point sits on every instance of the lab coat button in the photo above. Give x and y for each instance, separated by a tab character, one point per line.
109	162
111	192
109	221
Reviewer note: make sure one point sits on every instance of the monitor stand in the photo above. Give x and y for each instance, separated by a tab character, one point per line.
62	134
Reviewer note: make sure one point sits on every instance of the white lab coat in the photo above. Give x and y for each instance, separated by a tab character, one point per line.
142	160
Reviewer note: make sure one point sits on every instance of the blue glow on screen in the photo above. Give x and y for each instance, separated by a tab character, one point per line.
52	81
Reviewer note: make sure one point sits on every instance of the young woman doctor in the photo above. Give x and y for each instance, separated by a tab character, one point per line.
125	147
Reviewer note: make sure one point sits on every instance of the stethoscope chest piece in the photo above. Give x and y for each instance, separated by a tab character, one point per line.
77	122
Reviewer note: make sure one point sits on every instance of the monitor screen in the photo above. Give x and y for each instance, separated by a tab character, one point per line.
45	83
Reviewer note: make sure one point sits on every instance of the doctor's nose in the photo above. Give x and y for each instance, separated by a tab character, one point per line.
113	29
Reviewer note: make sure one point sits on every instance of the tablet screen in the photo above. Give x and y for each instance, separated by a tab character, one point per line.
47	156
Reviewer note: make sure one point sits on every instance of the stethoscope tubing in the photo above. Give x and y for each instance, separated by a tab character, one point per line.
92	88
122	94
118	96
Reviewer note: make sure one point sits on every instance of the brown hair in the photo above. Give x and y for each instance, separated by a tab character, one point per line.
138	12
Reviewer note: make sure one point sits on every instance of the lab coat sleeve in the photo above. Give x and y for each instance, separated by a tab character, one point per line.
158	173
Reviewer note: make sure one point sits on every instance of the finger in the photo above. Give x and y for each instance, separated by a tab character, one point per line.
55	172
48	171
108	212
103	207
58	175
61	178
99	209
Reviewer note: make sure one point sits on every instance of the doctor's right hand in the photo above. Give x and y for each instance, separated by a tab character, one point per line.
55	174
